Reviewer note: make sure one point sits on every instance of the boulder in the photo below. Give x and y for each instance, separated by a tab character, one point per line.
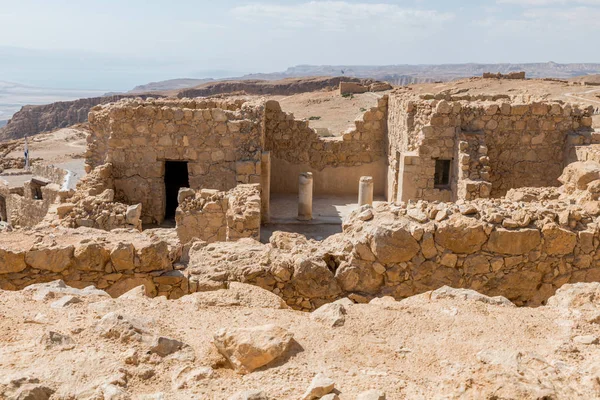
515	242
250	348
461	234
394	245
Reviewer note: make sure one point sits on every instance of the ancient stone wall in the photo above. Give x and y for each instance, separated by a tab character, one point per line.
214	216
502	144
295	147
510	75
23	209
115	262
220	141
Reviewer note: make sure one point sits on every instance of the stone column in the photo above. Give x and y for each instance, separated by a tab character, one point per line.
305	196
365	191
265	186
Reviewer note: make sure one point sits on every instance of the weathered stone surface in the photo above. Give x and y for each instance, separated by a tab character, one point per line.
393	245
164	346
249	395
312	278
371	395
579	174
461	235
330	314
469	295
558	241
250	348
11	261
320	386
514	242
55	259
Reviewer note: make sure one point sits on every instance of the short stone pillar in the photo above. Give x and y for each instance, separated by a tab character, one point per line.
365	191
305	196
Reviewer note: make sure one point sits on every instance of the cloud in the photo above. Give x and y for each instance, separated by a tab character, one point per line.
337	15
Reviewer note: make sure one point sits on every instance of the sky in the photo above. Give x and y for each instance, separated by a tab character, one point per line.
117	44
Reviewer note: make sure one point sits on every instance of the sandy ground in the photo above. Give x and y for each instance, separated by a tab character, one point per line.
425	347
56	147
333	111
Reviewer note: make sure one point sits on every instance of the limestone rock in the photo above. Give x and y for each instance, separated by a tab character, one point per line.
164	346
133	214
65	301
312	278
330	314
249	395
577	296
250	348
580	173
511	242
461	235
54	259
371	395
11	262
557	240
320	386
447	292
117	326
188	376
393	245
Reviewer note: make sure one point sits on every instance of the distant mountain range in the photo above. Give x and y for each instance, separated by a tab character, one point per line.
395	74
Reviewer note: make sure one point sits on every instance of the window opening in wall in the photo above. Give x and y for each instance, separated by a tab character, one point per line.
36	185
176	177
442	174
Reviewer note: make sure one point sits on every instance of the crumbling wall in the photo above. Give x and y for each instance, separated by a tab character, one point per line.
507	146
214	216
115	262
336	163
22	209
93	204
221	141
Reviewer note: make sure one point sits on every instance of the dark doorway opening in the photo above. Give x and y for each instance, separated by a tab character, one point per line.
3	213
442	174
176	177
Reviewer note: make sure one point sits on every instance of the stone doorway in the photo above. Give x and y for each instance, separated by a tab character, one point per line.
176	177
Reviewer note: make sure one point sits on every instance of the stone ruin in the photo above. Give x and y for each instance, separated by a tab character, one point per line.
471	183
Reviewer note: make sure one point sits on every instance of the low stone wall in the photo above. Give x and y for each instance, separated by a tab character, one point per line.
213	216
115	262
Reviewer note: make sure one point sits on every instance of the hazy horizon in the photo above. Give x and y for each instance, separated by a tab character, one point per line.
115	46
